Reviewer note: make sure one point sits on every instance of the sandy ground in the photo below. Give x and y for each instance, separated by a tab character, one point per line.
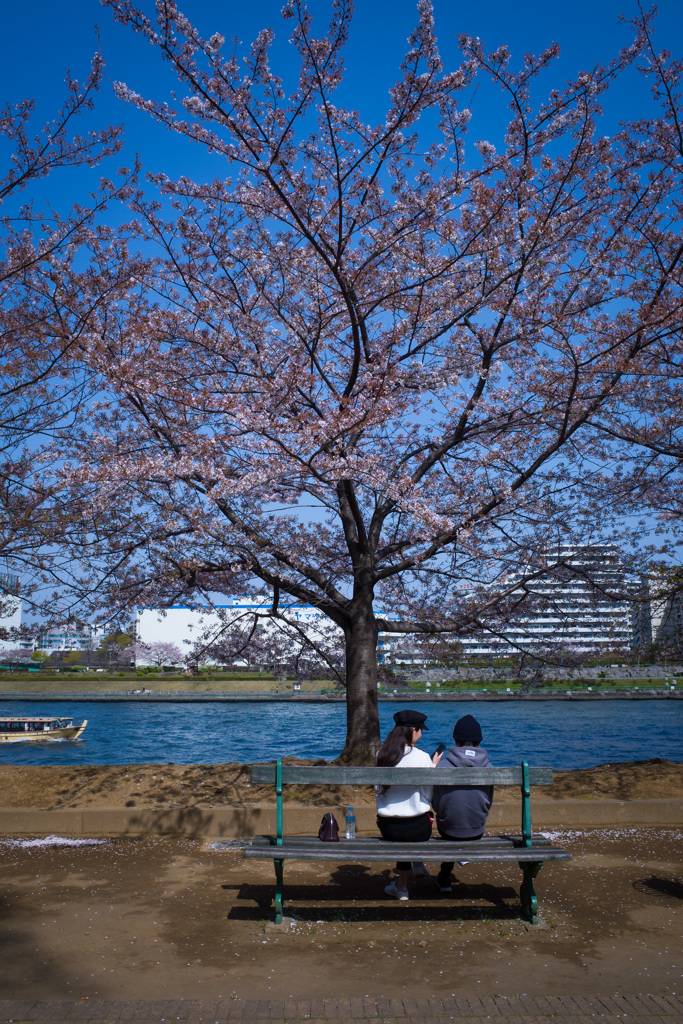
171	918
169	785
158	917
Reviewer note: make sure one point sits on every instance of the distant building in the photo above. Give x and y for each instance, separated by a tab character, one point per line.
194	629
69	636
666	618
590	603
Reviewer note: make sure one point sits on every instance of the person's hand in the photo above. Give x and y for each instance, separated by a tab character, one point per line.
436	758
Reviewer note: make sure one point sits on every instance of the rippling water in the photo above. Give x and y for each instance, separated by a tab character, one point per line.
576	735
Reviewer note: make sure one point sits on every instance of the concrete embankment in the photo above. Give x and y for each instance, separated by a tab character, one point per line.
243	822
175	697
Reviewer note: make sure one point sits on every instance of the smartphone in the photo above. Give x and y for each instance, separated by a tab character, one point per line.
440	749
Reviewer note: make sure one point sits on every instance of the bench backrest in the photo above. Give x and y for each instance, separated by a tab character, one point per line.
333	775
278	774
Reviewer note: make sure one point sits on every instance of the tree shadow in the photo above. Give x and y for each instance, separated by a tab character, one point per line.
27	960
660	887
190	821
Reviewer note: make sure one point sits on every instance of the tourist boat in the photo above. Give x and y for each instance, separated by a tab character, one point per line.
13	729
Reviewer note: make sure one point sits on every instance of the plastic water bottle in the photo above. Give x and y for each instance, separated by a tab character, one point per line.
350	824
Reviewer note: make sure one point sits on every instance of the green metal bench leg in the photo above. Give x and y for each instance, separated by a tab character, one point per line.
279	875
527	894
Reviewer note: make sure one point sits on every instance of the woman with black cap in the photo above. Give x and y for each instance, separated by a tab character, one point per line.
403	811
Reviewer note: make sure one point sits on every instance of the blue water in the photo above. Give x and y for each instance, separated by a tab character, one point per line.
566	735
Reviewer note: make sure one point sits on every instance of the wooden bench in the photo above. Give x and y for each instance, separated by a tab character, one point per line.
529	851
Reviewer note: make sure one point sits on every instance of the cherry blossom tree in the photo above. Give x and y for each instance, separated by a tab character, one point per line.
42	308
643	432
159	652
15	657
362	365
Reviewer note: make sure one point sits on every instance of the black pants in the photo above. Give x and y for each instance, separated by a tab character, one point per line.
406	830
448	865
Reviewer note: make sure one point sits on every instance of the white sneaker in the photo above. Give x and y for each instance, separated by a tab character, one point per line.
420	869
393	890
462	863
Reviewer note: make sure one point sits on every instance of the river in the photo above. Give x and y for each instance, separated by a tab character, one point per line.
567	735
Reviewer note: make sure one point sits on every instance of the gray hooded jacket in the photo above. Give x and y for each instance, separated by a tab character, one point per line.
461	811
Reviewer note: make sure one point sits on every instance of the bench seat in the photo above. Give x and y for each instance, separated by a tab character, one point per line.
372	848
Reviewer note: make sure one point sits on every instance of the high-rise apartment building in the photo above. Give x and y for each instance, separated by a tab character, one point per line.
587	601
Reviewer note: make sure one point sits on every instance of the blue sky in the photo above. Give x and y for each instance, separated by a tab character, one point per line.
41	39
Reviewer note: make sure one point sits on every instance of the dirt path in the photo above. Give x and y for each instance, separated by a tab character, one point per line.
159	918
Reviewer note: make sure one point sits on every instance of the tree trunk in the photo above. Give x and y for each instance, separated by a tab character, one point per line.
362	716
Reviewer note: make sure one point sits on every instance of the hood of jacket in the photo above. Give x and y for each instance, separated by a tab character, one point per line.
467	757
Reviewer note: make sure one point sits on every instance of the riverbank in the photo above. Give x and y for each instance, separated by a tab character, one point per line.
171	786
312	697
495	682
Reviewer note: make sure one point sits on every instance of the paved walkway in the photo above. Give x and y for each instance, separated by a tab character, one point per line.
644	1009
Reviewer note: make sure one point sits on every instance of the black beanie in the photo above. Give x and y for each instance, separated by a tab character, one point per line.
467	730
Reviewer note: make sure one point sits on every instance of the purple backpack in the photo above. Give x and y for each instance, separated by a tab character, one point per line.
329	829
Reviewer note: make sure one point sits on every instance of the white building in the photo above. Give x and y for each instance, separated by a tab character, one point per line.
194	629
589	604
666	617
69	636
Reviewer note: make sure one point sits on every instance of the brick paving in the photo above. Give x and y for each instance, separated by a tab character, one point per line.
618	1009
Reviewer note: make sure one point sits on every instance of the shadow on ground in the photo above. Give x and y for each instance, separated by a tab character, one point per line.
355	892
662	887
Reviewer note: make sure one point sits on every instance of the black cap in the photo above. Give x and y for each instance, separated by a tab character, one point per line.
467	730
415	718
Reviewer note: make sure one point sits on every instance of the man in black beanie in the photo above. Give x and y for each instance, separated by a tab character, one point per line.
461	811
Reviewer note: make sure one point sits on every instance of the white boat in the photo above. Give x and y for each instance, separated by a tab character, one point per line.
43	728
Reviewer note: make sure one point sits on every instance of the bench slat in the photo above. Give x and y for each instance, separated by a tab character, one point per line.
435	843
501	856
438	847
264	774
497	848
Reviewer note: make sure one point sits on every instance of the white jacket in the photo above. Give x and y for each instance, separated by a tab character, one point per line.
406	801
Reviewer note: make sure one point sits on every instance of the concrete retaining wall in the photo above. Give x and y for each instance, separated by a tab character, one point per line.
243	822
